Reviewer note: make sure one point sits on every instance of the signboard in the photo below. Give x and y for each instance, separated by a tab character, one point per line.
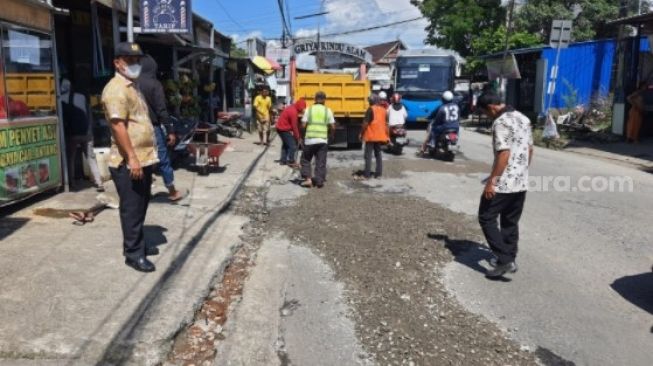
29	160
379	73
335	47
166	16
280	55
560	33
503	68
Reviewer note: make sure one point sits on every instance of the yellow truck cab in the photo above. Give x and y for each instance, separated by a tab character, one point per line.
346	96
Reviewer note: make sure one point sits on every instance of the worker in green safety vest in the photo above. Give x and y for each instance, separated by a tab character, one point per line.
319	124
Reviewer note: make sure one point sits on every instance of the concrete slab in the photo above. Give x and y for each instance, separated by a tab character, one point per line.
67	297
292	313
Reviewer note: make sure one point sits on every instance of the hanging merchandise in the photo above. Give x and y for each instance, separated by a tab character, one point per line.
250	83
272	82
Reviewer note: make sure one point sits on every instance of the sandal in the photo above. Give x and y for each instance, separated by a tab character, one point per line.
180	196
81	218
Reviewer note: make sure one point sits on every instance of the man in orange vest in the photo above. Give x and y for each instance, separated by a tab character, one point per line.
374	133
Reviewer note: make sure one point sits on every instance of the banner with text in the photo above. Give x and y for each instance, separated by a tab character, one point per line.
166	16
29	160
335	47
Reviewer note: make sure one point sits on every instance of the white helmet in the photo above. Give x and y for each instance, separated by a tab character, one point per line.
383	95
447	96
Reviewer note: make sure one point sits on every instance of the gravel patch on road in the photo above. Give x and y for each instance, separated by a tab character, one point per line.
389	250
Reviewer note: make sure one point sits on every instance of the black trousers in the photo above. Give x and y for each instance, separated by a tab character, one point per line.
319	152
504	237
134	200
288	147
374	147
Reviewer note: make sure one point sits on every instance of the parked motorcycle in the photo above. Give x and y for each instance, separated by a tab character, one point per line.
230	124
446	146
184	130
398	139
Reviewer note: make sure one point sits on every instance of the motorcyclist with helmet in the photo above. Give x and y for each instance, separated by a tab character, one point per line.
397	113
445	118
383	99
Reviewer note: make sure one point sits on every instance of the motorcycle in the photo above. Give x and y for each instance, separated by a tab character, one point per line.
398	139
184	130
446	145
230	124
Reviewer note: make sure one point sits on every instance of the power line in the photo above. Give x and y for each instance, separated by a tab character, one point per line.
229	16
372	28
353	31
289	18
284	24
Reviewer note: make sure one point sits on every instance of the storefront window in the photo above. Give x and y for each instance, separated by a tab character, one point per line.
28	73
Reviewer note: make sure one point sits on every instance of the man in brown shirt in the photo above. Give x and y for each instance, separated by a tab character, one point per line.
133	152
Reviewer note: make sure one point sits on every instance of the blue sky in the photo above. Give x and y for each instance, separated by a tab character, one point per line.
244	18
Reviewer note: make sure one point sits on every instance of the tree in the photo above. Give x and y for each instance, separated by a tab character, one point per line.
237	52
589	17
455	23
491	41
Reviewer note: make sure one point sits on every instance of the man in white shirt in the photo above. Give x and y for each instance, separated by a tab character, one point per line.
505	191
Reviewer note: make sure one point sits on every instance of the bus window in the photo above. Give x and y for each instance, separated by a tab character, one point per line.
29	74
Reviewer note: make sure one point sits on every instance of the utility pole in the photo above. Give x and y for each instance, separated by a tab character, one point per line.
509	30
130	21
318	53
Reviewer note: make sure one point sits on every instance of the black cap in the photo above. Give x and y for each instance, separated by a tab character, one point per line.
128	49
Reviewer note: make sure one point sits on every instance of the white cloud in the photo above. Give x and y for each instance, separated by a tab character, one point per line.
305	33
238	38
356	14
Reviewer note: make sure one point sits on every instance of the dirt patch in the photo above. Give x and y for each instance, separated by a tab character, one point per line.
197	344
389	251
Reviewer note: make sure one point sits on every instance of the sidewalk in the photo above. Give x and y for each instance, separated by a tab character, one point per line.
638	155
68	298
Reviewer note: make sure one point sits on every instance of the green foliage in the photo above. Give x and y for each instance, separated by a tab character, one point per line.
455	23
181	95
589	17
492	41
237	52
475	28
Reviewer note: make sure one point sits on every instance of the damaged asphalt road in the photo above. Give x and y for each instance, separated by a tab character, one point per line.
342	277
388	250
390	272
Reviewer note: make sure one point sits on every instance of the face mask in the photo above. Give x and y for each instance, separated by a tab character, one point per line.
133	71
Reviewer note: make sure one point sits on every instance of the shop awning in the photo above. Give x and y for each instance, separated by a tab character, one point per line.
266	65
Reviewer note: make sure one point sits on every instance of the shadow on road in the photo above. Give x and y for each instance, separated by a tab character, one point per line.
637	289
155	235
467	252
9	225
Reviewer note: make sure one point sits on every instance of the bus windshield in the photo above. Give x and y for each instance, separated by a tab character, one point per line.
424	74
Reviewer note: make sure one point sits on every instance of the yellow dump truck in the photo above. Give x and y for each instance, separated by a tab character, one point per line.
346	96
